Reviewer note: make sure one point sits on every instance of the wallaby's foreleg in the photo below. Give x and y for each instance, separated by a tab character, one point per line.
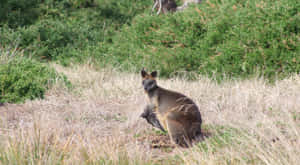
150	116
160	6
154	6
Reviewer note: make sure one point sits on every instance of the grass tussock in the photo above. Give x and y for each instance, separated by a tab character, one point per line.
248	122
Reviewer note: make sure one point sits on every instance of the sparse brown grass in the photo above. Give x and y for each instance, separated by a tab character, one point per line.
250	122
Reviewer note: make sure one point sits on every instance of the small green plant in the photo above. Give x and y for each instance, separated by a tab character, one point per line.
24	78
159	132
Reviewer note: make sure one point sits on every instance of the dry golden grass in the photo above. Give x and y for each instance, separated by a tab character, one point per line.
250	122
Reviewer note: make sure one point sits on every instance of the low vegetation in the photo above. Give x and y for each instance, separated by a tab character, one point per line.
25	78
236	38
93	46
65	31
245	122
216	38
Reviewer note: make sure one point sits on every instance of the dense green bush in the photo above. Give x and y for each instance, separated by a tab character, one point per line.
24	78
69	30
53	40
236	38
16	13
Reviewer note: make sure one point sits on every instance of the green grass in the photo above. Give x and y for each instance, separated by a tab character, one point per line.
218	137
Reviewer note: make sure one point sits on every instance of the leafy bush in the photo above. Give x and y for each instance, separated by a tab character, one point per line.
53	40
69	30
16	13
24	78
236	38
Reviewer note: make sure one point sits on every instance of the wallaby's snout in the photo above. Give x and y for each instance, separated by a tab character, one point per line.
149	85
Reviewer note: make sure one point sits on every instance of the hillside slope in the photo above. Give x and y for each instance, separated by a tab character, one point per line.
234	38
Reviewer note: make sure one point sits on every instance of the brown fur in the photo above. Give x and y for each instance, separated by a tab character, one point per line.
178	114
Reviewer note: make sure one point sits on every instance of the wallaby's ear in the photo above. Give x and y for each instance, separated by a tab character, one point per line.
144	73
154	74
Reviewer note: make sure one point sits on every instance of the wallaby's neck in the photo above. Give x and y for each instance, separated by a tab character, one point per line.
153	92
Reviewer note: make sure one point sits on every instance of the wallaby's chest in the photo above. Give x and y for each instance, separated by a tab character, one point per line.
160	110
161	105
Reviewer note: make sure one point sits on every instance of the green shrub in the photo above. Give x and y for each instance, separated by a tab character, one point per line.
236	38
70	30
53	40
16	13
24	78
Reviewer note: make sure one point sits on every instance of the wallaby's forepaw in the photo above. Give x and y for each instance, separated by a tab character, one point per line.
151	118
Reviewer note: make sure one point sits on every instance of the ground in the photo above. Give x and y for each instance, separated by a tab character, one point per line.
97	122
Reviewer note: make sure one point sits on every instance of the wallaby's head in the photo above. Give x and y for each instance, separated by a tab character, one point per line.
149	81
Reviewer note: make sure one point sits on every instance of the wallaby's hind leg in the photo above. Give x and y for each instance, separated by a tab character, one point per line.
177	133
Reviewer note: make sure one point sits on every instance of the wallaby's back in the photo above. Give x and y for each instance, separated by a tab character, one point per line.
181	106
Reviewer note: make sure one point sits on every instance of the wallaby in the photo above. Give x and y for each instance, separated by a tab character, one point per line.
170	5
177	114
164	6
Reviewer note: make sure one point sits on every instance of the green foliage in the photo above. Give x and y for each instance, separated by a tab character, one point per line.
24	78
70	30
54	40
159	132
236	38
19	12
